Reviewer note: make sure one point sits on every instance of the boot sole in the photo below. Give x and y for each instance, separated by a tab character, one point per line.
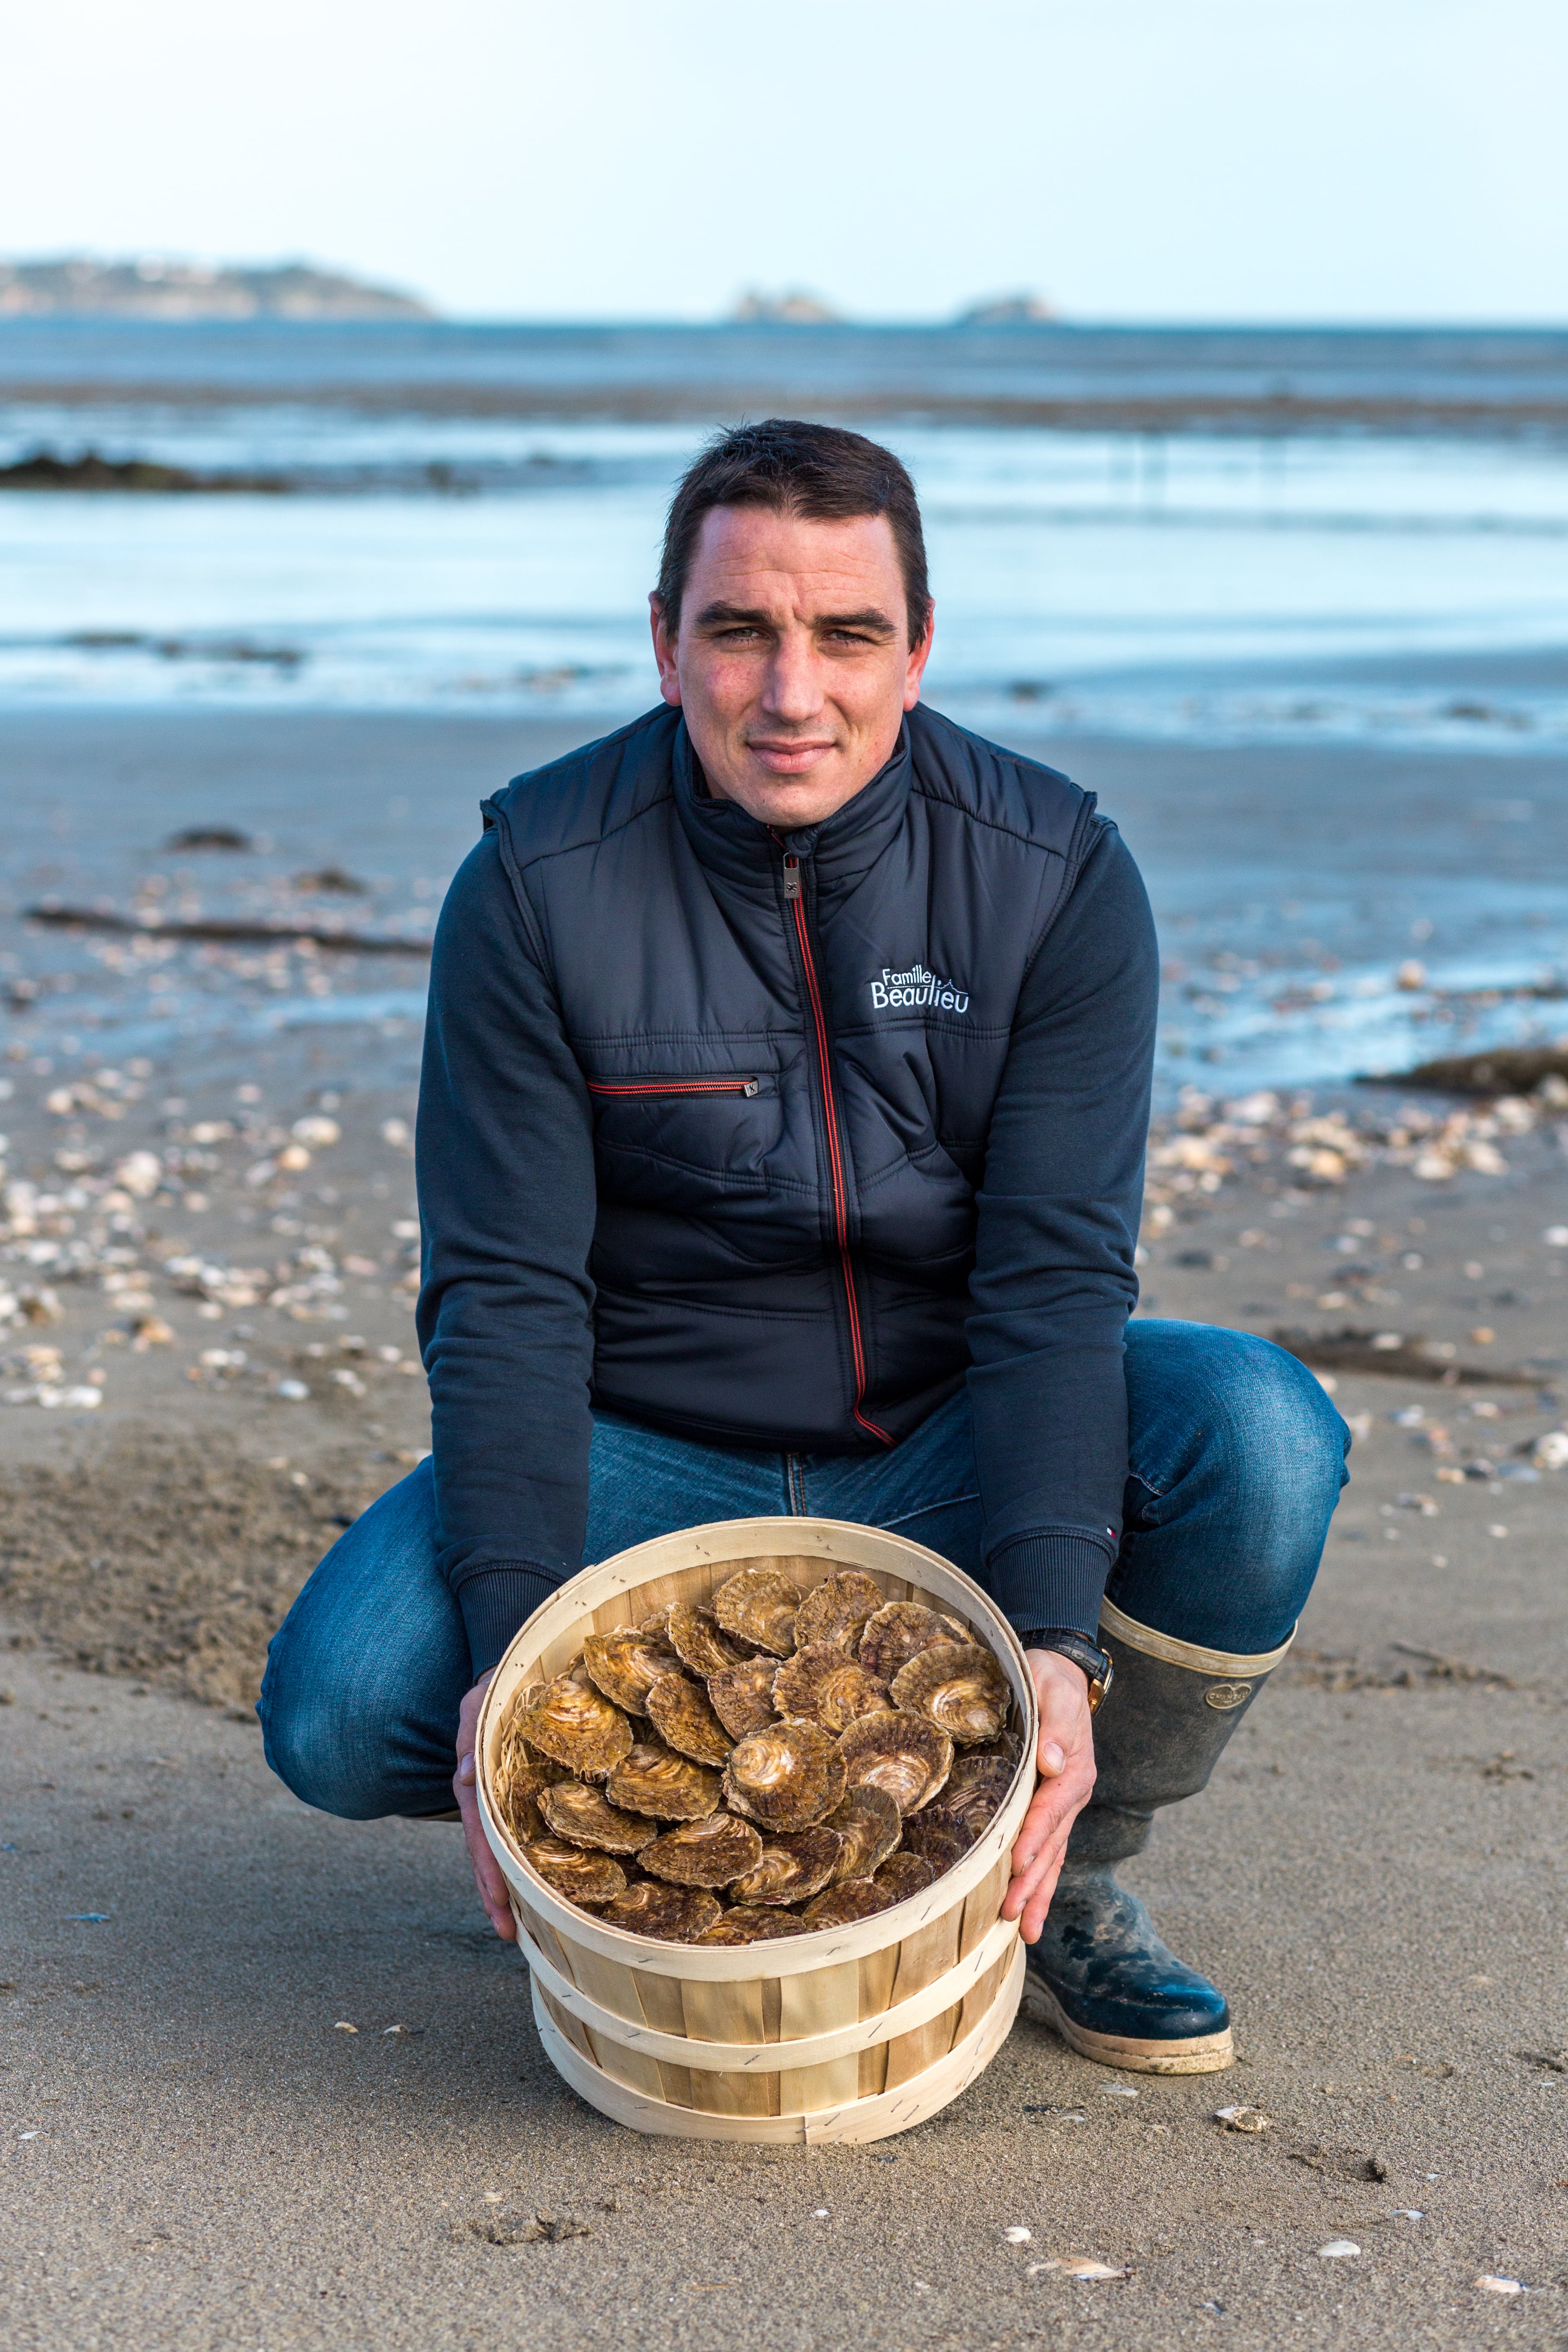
1205	2053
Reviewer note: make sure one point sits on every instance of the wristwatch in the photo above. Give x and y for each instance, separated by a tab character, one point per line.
1096	1664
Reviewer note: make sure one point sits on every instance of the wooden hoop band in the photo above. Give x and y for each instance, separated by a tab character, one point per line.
858	2120
773	2057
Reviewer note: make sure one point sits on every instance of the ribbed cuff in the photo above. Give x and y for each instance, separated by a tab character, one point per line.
1055	1579
495	1600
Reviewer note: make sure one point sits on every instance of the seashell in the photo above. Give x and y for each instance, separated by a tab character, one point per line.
938	1838
851	1899
708	1853
838	1608
901	1876
627	1663
821	1684
899	1632
686	1722
673	1915
743	1696
651	1779
960	1686
701	1642
791	1868
750	1923
761	1605
787	1778
576	1724
870	1825
577	1872
907	1755
583	1816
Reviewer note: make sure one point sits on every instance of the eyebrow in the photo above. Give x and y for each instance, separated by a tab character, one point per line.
871	619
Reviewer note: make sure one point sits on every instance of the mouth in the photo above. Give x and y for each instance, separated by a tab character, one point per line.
789	757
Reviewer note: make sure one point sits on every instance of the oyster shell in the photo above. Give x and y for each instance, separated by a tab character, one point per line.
821	1684
969	1808
700	1641
627	1663
853	1898
747	1923
791	1868
582	1816
682	1716
651	1779
576	1724
960	1686
838	1608
577	1872
870	1825
787	1777
675	1915
901	1876
899	1632
707	1852
518	1779
761	1605
743	1696
940	1839
907	1755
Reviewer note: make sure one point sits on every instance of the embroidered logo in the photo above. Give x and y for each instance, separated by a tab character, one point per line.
904	990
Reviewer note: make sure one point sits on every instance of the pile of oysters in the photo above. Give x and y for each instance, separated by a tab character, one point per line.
773	1764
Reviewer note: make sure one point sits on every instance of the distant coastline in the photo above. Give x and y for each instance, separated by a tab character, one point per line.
76	285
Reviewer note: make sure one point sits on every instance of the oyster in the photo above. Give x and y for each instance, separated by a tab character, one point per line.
651	1779
900	1632
901	1876
940	1839
743	1696
838	1608
699	1643
791	1868
574	1871
853	1898
747	1923
970	1808
582	1816
821	1685
787	1777
675	1915
627	1663
686	1722
761	1605
960	1686
907	1755
577	1726
708	1853
518	1779
870	1825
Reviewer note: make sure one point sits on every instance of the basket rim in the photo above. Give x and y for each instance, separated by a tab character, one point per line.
820	1948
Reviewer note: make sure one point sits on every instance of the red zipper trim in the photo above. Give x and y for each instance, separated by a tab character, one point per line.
836	1163
672	1087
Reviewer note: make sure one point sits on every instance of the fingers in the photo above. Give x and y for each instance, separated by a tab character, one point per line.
488	1876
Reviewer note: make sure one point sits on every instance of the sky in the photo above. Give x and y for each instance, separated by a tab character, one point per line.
1225	160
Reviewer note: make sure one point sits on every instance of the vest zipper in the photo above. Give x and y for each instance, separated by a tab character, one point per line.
795	901
673	1087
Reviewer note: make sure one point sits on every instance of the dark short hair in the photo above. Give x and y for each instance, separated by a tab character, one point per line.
817	471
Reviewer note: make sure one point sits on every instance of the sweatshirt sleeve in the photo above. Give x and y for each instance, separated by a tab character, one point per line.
1053	1283
505	1164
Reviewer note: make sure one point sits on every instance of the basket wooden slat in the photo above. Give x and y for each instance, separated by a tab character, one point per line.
851	2032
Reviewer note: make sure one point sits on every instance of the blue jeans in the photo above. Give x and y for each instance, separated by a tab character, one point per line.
1237	1458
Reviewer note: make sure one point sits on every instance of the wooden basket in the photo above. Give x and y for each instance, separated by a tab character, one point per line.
850	2033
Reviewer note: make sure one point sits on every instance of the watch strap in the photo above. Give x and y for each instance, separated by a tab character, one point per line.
1069	1642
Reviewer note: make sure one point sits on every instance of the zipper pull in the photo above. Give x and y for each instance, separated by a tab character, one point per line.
791	875
751	1088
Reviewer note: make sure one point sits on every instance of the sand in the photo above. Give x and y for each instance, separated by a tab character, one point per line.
196	2154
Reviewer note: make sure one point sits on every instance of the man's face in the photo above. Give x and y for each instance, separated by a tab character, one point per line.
793	665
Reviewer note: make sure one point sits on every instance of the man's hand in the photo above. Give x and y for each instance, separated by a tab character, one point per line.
487	1876
1067	1778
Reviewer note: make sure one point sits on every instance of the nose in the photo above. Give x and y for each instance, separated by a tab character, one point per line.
792	693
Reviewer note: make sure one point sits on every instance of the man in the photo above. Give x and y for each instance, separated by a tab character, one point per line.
780	1138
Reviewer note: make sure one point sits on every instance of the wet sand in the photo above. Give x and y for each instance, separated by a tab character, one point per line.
1376	1876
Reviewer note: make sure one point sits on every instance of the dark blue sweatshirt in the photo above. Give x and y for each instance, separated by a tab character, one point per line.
776	1141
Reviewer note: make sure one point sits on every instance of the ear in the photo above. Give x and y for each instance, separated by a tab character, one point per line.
914	669
663	652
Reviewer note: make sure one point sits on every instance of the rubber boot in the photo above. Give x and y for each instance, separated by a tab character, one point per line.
1099	1974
